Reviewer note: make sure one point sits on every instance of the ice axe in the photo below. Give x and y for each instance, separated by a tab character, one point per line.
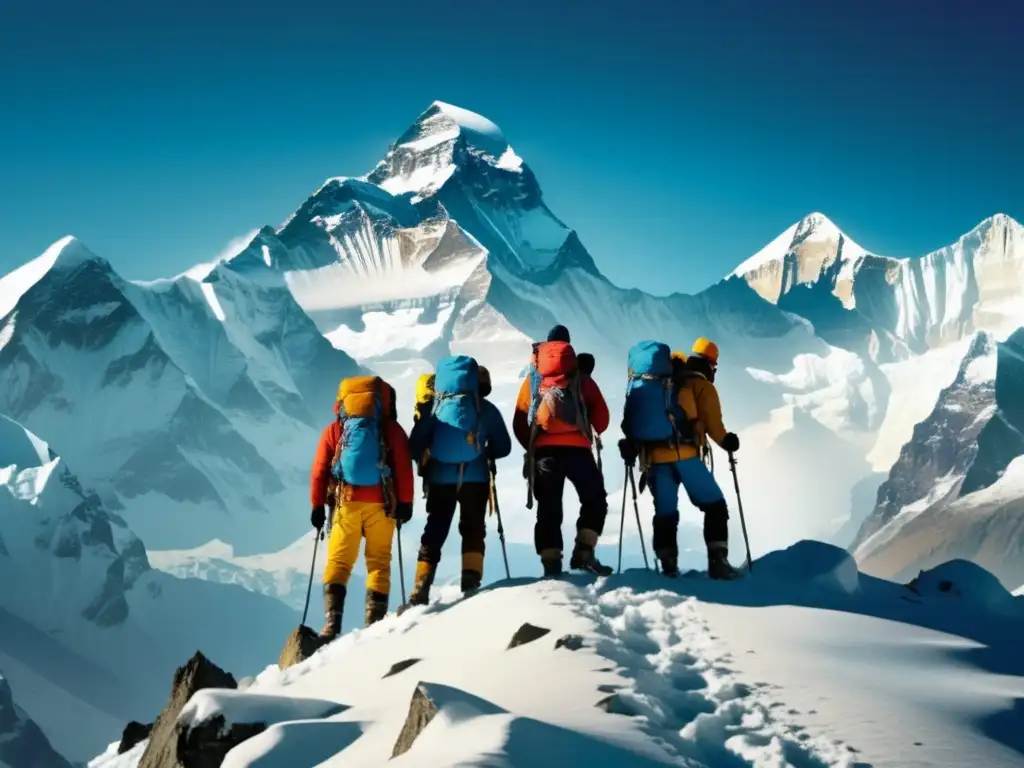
317	538
739	506
401	567
636	508
622	517
497	512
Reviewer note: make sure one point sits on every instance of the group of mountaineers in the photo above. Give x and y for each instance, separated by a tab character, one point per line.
363	475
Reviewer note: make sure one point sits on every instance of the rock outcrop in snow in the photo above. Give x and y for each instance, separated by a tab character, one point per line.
953	492
22	743
168	744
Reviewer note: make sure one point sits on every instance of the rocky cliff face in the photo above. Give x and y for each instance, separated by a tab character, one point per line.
948	492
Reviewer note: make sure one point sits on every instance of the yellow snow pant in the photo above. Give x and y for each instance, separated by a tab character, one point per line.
351	522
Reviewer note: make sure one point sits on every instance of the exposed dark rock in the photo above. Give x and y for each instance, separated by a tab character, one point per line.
571	642
208	743
302	643
527	634
614	705
199	673
133	733
422	710
401	666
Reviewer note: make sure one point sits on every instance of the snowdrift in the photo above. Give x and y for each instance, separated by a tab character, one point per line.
629	670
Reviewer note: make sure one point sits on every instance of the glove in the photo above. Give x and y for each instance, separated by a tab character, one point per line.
731	443
628	451
403	512
318	517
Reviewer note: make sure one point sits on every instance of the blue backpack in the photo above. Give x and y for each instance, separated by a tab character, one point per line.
361	457
456	437
652	413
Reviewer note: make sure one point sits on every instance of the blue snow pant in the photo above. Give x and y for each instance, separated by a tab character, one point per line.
703	492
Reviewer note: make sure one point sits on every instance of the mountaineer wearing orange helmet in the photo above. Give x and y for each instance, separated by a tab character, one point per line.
696	414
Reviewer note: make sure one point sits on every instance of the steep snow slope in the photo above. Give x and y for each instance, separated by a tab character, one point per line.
88	631
639	670
189	406
22	743
946	474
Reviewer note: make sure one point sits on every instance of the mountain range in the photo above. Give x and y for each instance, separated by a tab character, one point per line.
190	406
89	632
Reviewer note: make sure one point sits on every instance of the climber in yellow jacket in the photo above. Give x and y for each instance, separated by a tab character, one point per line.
670	464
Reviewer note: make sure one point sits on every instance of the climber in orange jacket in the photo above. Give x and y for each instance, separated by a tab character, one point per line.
560	449
367	497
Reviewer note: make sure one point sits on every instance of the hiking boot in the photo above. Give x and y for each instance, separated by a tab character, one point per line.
551	560
376	606
334	605
583	559
420	594
471	581
719	567
669	563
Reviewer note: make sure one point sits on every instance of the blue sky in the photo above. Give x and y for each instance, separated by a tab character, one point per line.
686	135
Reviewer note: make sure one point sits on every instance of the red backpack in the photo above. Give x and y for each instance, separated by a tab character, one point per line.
556	399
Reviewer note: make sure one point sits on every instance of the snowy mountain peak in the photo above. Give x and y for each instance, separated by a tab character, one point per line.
436	145
814	229
65	255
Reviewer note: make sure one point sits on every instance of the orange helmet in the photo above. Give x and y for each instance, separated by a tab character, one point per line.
706	349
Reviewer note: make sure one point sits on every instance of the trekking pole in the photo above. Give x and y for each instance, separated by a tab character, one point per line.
497	513
401	568
317	538
739	505
639	527
622	517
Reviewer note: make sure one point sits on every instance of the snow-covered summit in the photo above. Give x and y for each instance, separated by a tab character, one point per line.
642	671
894	307
62	256
811	241
428	153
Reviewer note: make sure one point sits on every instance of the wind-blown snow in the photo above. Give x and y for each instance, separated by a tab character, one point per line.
248	707
464	118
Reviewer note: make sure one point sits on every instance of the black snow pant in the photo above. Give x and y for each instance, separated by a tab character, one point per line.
555	465
472	500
